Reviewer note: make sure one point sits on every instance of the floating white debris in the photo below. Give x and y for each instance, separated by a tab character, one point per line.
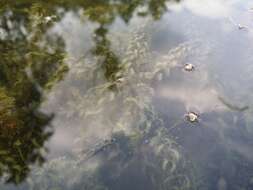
49	18
192	117
120	80
189	67
240	27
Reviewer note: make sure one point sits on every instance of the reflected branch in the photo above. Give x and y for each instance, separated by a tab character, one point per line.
32	63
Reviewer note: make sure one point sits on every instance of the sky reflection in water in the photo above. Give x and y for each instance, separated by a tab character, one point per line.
219	146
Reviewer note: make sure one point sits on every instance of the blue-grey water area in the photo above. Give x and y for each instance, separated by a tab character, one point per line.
126	95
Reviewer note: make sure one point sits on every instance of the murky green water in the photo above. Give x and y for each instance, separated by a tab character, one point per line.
126	95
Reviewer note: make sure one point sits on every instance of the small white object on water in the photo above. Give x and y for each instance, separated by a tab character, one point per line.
120	80
49	18
189	67
192	117
240	27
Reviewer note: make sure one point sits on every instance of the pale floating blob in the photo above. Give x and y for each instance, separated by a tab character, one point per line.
48	19
189	67
192	117
239	26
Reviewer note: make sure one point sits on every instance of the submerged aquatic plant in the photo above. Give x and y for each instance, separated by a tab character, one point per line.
122	104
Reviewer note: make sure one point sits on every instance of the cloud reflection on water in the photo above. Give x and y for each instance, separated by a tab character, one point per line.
193	90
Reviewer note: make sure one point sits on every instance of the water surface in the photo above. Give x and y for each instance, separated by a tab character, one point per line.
95	95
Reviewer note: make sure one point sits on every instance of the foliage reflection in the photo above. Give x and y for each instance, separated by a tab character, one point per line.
32	62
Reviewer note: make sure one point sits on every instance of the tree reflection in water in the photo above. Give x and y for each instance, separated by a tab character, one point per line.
32	62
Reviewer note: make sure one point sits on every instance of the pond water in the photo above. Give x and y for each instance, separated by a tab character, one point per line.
126	95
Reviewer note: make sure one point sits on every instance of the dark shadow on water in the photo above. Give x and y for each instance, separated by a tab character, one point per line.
27	71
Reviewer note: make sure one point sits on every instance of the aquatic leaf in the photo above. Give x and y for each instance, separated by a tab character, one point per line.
3	152
17	178
159	148
232	106
35	143
175	154
165	163
17	167
132	100
93	112
17	143
9	159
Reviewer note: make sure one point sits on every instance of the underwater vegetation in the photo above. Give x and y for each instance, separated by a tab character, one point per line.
119	126
121	140
33	62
